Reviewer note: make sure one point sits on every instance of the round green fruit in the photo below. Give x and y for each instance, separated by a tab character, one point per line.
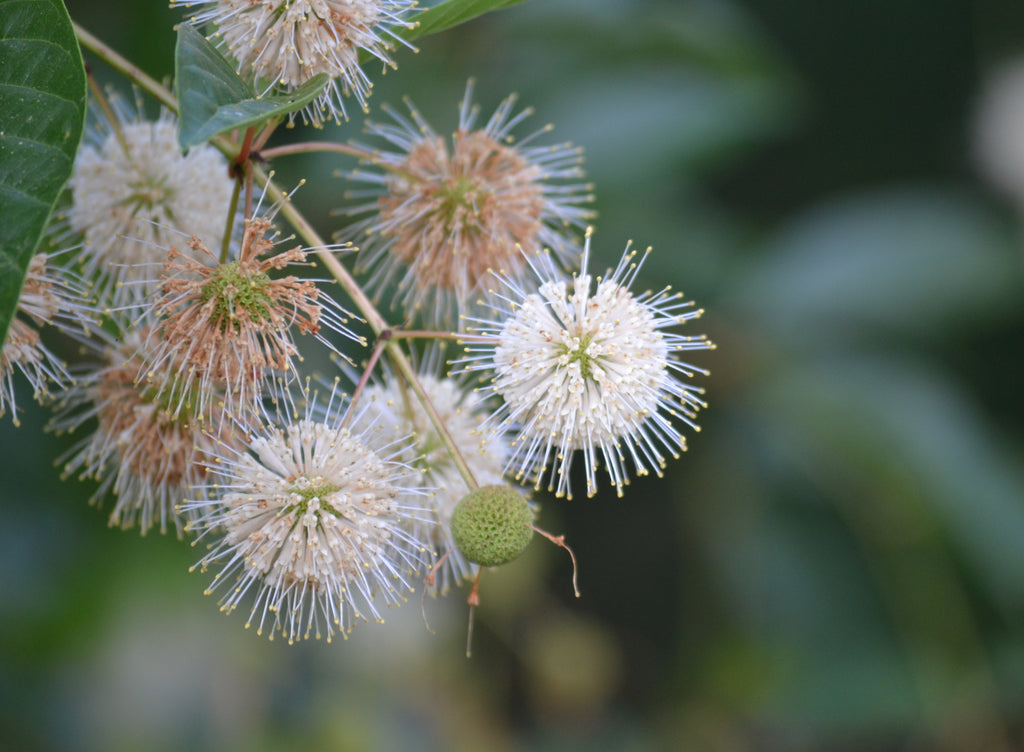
492	525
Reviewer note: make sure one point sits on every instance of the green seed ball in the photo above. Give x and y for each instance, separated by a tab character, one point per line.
491	525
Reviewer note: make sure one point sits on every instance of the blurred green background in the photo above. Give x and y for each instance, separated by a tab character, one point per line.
838	561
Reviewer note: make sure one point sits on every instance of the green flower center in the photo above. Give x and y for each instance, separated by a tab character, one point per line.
235	288
433	454
147	194
580	355
308	489
458	200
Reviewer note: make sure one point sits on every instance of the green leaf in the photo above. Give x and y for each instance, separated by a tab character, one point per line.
452	13
42	113
213	99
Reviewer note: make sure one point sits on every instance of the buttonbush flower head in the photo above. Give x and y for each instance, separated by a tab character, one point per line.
314	524
284	43
144	450
51	295
588	368
230	324
395	411
133	193
442	216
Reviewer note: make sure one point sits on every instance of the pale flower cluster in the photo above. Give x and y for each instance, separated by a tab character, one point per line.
316	522
282	44
193	310
441	217
141	452
134	194
51	296
589	369
393	412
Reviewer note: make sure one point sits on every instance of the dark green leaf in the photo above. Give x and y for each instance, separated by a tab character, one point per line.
42	112
452	13
213	99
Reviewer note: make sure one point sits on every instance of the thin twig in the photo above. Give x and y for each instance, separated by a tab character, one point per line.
311	147
229	225
108	111
559	540
242	165
266	133
115	61
378	348
424	334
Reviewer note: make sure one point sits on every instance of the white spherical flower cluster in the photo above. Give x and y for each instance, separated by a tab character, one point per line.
317	524
285	43
393	410
588	369
133	193
999	130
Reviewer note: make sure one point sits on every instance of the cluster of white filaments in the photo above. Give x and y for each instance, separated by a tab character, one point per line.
394	410
443	216
317	525
282	44
589	370
142	451
50	296
134	193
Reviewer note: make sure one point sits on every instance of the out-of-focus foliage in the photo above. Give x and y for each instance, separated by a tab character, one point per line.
837	563
442	15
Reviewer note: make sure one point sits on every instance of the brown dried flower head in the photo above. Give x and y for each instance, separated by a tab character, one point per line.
446	215
146	450
231	325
